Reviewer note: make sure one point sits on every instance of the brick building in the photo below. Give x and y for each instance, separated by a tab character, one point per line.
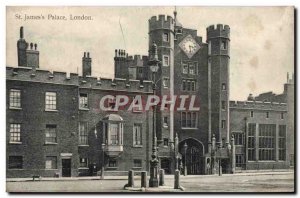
55	125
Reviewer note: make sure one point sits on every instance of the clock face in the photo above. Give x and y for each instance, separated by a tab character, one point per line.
189	46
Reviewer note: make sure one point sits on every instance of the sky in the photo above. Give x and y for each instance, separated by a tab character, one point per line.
261	48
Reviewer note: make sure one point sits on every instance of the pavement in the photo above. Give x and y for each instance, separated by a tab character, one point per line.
245	173
278	181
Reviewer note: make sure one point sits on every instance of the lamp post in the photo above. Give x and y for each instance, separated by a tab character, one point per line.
185	168
153	64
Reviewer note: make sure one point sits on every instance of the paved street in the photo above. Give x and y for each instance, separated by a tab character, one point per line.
251	182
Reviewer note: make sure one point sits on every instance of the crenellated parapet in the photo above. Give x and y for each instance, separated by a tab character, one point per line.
117	84
258	105
44	76
161	23
218	31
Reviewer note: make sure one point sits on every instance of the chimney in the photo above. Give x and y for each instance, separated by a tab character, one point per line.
86	64
21	47
33	56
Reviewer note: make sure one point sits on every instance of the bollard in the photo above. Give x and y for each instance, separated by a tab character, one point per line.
143	179
177	179
161	177
220	170
131	178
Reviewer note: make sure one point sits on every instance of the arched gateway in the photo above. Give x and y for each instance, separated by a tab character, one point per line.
192	152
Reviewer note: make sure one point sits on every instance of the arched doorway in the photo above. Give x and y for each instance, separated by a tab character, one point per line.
192	152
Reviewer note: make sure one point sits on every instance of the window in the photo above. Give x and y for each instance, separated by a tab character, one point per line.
189	119
51	133
166	37
267	114
166	82
223	105
137	163
251	141
113	130
137	135
189	67
192	68
223	86
83	162
185	68
166	121
50	101
140	70
165	60
223	124
83	133
251	114
188	85
51	162
239	160
267	141
209	47
15	162
281	142
166	141
238	138
193	86
83	101
183	84
281	116
114	134
15	133
15	98
112	163
224	45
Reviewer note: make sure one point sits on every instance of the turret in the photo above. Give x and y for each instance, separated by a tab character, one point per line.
218	39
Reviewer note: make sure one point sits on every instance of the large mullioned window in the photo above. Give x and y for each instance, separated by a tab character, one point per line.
251	141
189	119
282	142
267	141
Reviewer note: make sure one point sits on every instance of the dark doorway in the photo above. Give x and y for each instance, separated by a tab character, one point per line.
225	165
165	164
66	167
192	156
